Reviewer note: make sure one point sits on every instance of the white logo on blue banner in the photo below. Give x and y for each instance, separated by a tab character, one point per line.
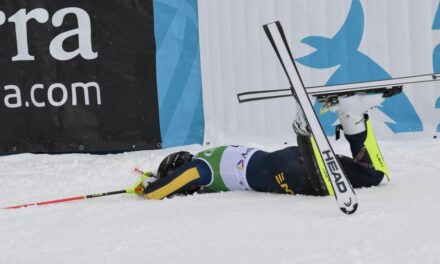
354	66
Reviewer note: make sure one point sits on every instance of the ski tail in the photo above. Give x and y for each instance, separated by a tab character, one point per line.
343	191
374	151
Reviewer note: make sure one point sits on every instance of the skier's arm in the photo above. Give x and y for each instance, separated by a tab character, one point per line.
194	174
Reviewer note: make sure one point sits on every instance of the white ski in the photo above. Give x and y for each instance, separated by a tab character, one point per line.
353	87
340	89
344	193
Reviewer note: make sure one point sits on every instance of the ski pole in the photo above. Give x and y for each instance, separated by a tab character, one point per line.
133	189
81	197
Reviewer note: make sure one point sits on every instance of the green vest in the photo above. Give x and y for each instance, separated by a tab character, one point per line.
213	157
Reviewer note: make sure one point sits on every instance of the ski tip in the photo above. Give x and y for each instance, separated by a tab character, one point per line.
349	210
273	22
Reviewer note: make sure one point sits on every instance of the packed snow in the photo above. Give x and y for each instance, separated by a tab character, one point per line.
397	222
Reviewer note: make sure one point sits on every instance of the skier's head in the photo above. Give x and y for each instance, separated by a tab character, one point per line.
172	162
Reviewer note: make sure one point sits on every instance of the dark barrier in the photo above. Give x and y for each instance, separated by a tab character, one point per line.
77	76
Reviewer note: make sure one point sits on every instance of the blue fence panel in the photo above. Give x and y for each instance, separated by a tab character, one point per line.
178	72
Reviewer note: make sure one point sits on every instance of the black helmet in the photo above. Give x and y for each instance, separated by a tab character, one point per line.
172	162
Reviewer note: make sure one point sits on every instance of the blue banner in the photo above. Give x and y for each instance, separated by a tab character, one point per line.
178	72
342	51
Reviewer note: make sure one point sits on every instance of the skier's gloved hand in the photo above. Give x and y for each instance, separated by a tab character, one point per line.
145	180
139	190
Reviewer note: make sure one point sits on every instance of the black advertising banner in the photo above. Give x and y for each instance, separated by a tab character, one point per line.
77	75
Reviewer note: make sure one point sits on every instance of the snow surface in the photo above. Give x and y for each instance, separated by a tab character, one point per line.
397	222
